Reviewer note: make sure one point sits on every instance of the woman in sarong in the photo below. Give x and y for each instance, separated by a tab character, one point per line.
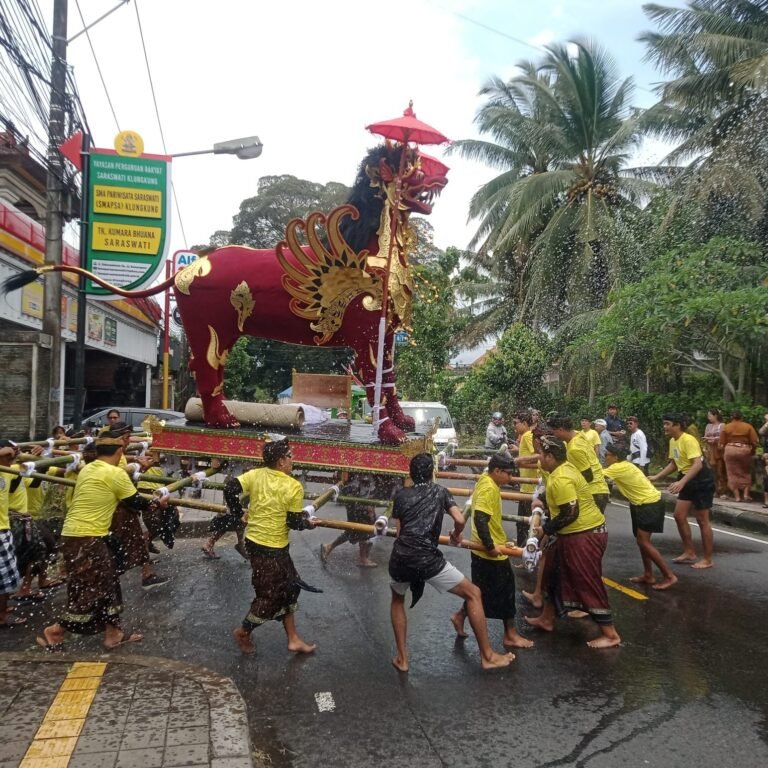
714	451
738	440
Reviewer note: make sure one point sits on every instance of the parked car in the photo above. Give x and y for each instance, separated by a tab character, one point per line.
131	415
424	414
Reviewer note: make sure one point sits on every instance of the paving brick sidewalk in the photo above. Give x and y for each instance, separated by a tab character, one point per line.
141	712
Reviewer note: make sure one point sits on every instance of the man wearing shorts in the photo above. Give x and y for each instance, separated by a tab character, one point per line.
418	512
646	510
695	488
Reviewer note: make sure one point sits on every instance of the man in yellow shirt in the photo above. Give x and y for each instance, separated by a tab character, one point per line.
646	510
695	488
94	597
9	571
593	438
491	570
581	455
526	468
275	508
574	565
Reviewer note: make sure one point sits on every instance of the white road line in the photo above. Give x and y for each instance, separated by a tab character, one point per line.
324	701
717	530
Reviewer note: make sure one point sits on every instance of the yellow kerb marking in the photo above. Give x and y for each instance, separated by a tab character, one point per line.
626	590
57	736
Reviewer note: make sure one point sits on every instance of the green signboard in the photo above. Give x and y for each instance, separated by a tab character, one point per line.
128	220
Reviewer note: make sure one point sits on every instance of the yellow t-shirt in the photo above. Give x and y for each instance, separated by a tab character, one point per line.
633	484
566	484
581	454
683	451
36	494
149	485
100	488
592	436
487	498
273	495
70	492
5	484
526	449
17	500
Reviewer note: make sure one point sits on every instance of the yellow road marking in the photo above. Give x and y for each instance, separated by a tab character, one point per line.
57	736
626	590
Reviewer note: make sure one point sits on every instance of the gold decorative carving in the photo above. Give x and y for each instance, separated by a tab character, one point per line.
215	358
241	299
325	280
152	425
422	444
184	277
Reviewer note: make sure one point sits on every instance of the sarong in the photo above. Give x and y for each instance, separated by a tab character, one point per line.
714	454
496	582
738	464
162	524
127	528
94	598
225	522
9	572
274	582
576	575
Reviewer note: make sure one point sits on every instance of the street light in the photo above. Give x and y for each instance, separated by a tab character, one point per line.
245	149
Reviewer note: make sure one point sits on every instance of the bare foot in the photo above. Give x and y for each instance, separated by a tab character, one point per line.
702	564
514	639
244	640
367	564
299	646
644	579
458	624
532	598
686	557
605	642
209	553
122	639
665	583
400	664
540	623
577	614
497	660
325	550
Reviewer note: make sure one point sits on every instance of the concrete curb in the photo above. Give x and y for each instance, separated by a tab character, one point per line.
750	520
229	741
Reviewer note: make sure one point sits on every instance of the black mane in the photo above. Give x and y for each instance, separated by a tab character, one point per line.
365	198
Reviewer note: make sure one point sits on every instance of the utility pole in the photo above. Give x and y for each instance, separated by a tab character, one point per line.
54	219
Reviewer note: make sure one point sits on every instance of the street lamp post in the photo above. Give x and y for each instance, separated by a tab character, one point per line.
248	148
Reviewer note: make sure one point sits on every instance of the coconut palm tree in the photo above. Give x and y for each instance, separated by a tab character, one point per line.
564	204
714	106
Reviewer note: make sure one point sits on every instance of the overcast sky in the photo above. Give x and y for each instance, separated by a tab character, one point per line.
307	76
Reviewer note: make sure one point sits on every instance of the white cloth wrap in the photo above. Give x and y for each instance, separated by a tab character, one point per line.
380	525
26	468
162	493
48	450
531	554
74	464
199	477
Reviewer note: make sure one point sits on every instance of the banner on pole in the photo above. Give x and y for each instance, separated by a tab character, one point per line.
128	216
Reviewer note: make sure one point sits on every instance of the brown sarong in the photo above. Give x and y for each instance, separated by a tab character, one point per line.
127	528
738	464
94	598
575	566
274	582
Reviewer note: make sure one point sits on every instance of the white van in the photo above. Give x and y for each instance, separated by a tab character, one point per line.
424	414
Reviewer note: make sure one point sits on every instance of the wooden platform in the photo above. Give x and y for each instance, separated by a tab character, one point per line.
336	444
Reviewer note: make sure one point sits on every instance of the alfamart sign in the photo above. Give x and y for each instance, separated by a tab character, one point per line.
128	215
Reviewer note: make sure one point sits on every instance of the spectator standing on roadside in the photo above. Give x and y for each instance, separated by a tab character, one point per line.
605	439
615	425
714	452
738	440
638	445
763	432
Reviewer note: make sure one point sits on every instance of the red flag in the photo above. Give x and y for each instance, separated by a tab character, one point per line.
71	149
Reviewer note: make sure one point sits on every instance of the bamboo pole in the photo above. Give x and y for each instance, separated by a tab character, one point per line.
39	476
56	461
508	495
474	478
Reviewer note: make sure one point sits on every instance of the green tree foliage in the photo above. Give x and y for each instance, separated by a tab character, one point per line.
509	379
422	362
702	309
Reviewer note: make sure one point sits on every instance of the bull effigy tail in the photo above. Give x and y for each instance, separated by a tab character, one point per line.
15	282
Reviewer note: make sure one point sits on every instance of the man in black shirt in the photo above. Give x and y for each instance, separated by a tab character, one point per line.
416	560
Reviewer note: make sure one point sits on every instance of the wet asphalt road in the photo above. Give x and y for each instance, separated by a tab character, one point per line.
688	686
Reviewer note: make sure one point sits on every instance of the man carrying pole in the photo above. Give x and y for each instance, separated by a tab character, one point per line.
275	508
416	560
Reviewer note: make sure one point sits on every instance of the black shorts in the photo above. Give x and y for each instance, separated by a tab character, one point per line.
700	491
647	517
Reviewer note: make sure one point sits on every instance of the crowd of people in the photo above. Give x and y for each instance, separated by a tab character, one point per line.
96	528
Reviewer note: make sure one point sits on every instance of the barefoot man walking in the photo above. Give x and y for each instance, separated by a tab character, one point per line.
275	507
416	560
695	488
